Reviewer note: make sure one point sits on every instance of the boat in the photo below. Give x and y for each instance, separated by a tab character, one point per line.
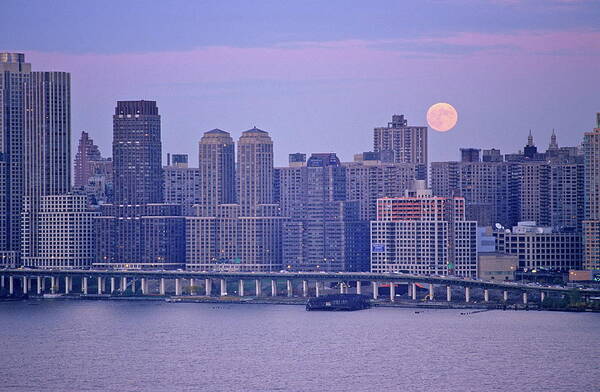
339	302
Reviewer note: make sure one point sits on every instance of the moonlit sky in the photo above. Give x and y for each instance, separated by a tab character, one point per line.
319	75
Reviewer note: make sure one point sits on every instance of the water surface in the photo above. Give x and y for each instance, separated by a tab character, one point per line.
153	346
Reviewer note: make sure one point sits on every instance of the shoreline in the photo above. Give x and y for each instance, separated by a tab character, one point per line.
289	301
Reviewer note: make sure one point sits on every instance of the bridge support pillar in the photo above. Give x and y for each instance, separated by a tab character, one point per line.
392	292
290	288
305	288
525	298
208	287
542	296
223	287
133	285
241	288
123	284
358	287
177	286
414	291
449	293
375	290
84	285
161	288
70	284
192	288
431	291
257	287
143	284
100	285
53	285
341	287
1	281
67	285
317	289
486	295
467	294
273	288
112	285
11	285
25	284
39	285
505	295
43	284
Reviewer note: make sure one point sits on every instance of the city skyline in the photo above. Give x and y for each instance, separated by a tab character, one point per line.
331	78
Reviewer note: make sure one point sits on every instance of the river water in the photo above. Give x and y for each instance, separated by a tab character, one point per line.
156	346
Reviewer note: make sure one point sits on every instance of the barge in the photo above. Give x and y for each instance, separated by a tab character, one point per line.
339	302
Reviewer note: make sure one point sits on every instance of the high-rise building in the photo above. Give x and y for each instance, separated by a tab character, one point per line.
423	234
182	184
216	158
15	75
47	150
408	143
66	236
591	225
254	170
137	167
324	231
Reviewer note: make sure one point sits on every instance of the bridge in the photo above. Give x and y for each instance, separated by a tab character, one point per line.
101	282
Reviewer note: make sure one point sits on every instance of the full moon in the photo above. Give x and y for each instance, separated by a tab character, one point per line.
442	117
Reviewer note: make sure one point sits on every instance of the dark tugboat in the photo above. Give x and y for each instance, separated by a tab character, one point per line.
339	302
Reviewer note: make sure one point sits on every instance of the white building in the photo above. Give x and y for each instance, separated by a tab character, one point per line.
65	233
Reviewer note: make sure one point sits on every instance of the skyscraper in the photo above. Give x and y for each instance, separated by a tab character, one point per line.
408	143
137	161
254	170
15	74
47	149
591	225
216	160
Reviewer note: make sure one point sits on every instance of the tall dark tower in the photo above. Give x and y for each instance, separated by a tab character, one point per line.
15	74
137	160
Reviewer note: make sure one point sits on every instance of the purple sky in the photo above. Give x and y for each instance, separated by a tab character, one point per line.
320	75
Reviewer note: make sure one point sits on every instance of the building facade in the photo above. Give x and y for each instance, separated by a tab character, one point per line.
66	236
148	236
423	234
324	231
137	161
541	247
182	185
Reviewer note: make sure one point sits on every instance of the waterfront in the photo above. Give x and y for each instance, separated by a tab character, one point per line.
114	346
